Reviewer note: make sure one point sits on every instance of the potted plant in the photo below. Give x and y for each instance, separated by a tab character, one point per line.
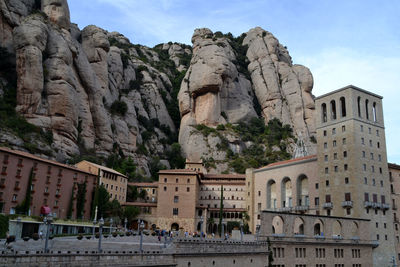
88	237
51	237
26	238
121	234
128	233
105	236
35	236
80	236
114	234
97	235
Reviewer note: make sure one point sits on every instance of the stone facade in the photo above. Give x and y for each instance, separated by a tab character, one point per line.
115	182
52	184
394	178
347	178
314	240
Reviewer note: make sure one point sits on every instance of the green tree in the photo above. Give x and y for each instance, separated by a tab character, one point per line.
143	194
3	225
80	199
71	204
130	213
24	207
101	200
113	209
132	193
270	255
221	211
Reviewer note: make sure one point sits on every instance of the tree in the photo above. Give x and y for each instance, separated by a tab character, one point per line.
101	200
270	255
113	209
221	211
71	204
130	213
80	199
143	194
24	207
132	193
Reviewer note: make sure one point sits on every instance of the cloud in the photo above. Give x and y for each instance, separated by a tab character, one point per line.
337	67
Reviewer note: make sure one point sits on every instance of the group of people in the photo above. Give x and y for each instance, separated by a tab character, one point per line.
171	234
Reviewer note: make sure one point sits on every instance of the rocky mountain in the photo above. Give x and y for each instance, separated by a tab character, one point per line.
69	93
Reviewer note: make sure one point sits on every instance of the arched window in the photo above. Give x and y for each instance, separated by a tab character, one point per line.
359	106
271	195
324	115
333	110
343	106
366	109
374	112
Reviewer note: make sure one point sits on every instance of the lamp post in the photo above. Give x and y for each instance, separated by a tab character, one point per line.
257	231
241	231
201	227
111	225
94	227
125	221
101	223
141	236
47	221
138	225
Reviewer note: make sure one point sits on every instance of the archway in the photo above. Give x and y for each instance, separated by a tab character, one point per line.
318	227
337	229
271	195
302	191
298	226
354	230
174	227
286	192
277	225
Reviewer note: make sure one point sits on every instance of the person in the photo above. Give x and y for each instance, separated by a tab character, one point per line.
213	235
159	237
41	234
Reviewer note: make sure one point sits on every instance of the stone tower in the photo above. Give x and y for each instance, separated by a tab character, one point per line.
353	170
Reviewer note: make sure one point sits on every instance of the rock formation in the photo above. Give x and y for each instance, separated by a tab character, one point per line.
96	93
215	92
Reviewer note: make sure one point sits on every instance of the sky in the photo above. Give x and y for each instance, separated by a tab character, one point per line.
342	41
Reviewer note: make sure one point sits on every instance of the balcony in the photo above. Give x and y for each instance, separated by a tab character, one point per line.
376	205
18	176
347	204
368	204
301	208
385	206
17	188
2	186
327	205
46	193
4	173
58	195
285	209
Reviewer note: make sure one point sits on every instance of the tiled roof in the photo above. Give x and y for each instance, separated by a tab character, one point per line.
140	204
289	161
393	166
225	176
144	184
33	157
104	168
184	171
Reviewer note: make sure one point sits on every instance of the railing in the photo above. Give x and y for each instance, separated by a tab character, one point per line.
347	204
385	206
302	208
327	205
368	204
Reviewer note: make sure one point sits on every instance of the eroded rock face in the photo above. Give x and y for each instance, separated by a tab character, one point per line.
58	12
215	92
282	89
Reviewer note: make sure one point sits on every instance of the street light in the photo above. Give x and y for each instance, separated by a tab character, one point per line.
101	223
111	225
201	227
125	221
138	225
47	221
141	236
94	226
241	231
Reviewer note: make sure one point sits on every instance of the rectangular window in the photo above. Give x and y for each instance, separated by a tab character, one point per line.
362	141
175	211
334	143
343	128
324	132
187	189
345	167
316	201
334	131
327	198
344	154
366	197
326	170
325	145
347	196
176	199
176	189
344	141
361	128
326	157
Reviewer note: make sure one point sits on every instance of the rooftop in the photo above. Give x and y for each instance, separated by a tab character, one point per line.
348	87
179	171
224	176
48	161
290	161
144	184
393	166
103	168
